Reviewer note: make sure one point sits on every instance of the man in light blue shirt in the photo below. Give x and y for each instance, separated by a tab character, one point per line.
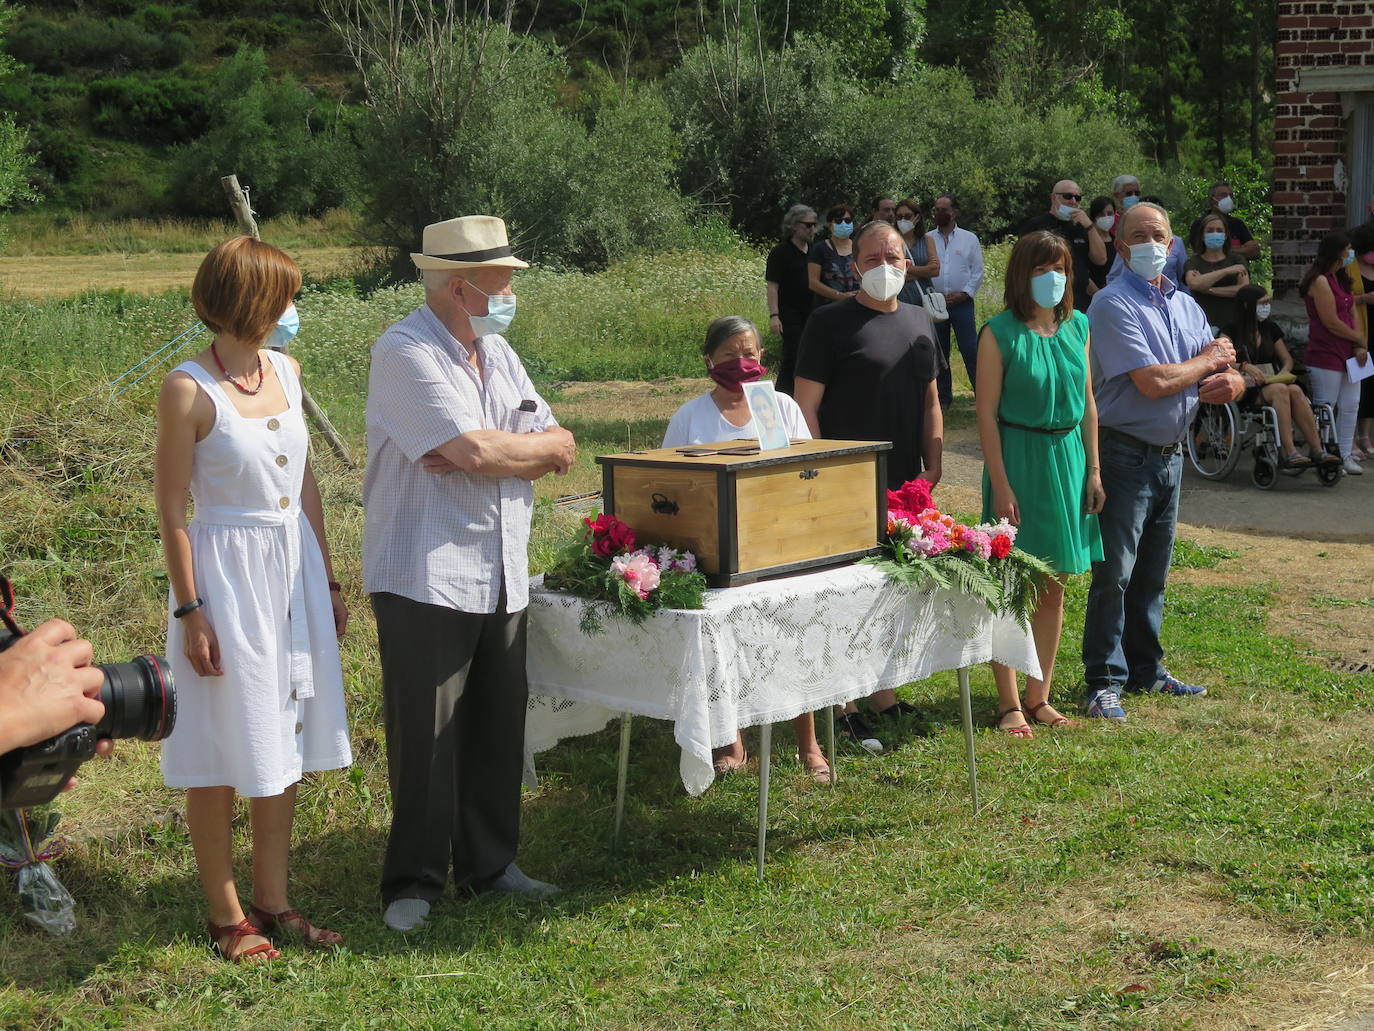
1153	360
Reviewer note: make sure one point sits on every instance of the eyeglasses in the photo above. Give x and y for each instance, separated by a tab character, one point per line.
847	218
809	225
1072	196
1130	193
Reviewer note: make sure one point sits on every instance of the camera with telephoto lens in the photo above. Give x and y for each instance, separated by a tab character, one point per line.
139	701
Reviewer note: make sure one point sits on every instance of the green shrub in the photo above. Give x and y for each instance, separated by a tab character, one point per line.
162	109
93	45
273	135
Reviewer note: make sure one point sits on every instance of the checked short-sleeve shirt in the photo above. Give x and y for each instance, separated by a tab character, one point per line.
447	539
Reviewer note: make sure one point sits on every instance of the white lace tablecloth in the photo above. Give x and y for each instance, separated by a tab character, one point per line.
755	654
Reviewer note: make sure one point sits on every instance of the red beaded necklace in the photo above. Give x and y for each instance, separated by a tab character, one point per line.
262	376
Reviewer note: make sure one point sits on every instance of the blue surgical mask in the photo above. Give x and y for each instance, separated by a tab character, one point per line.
1214	241
1349	259
1047	289
500	311
1129	199
1148	259
1262	311
286	328
843	230
1064	212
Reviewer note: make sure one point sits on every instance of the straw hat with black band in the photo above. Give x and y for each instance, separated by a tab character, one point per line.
472	241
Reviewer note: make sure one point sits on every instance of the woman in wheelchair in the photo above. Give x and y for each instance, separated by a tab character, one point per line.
1267	367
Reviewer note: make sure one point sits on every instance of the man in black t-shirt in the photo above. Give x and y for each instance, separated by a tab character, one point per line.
1221	199
1065	218
867	365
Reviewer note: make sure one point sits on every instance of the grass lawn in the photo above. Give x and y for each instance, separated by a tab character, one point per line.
1208	865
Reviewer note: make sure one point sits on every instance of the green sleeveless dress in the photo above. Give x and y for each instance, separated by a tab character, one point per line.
1043	385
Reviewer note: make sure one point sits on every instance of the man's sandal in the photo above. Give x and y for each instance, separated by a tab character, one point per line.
1022	731
290	922
1058	721
226	936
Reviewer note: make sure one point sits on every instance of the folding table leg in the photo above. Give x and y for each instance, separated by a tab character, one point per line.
622	771
966	698
834	760
765	761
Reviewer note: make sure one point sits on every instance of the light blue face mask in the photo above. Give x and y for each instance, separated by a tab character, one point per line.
843	230
1064	212
1214	241
1348	260
1047	289
1129	199
500	311
1148	259
286	328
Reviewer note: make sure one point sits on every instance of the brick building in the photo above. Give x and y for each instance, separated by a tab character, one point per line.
1323	127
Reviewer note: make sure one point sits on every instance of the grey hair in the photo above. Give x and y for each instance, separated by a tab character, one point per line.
1146	205
724	328
793	216
438	278
1122	181
1212	190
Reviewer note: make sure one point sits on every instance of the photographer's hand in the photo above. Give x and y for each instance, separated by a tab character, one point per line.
201	644
47	685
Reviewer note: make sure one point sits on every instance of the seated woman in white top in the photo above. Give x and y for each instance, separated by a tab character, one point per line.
732	352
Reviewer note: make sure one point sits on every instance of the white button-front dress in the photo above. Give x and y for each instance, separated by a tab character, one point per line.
278	710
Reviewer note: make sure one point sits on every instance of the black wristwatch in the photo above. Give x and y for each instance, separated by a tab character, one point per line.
188	608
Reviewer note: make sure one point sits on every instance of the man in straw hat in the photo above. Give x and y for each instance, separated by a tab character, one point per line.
456	434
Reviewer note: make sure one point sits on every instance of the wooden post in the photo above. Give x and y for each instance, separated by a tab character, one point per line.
243	215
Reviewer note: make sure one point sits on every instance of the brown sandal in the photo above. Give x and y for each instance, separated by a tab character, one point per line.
1059	721
290	921
1022	732
226	936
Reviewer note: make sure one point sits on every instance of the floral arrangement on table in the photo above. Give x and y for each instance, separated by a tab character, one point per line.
603	565
926	546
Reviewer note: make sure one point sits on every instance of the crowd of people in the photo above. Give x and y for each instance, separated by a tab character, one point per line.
1085	385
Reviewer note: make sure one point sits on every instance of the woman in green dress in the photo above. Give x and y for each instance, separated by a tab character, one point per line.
1038	424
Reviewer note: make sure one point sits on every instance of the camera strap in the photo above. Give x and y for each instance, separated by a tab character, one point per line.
7	607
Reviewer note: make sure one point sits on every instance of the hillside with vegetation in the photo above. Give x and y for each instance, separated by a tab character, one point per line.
599	128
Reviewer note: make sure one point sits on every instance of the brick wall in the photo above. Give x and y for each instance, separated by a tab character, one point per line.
1309	128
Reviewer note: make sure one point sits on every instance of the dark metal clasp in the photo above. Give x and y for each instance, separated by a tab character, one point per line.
809	474
662	505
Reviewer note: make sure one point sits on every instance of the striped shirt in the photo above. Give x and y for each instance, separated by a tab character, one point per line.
447	539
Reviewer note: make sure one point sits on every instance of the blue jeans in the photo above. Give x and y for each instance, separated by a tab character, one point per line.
962	318
1126	601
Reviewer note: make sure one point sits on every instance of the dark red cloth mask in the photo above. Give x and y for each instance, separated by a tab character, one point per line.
733	374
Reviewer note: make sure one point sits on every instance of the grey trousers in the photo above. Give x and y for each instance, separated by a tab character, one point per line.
454	697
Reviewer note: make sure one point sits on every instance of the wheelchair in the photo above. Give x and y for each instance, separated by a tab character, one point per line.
1220	433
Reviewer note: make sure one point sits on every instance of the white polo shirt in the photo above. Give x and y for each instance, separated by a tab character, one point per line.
961	262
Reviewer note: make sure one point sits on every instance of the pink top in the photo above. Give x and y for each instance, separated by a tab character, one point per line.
1326	350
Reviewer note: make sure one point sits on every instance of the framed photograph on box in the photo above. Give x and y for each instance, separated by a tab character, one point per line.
767	415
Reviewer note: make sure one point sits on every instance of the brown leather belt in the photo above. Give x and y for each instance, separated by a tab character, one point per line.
1163	450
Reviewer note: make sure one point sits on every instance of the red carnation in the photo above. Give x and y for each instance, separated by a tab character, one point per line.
912	497
609	536
1001	546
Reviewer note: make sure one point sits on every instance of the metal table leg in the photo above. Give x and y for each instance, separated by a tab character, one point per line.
765	761
966	699
834	760
621	773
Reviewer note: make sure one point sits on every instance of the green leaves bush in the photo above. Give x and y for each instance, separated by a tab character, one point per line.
161	109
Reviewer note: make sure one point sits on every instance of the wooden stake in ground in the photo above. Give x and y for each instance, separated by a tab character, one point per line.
243	214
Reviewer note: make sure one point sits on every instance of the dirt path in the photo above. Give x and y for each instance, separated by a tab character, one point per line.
61	276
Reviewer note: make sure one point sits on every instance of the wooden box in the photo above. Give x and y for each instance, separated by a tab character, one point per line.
750	516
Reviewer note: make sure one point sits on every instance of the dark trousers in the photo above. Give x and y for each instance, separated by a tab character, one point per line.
965	325
1125	611
454	696
784	380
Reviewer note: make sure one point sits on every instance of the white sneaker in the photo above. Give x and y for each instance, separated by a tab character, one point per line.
1352	467
406	914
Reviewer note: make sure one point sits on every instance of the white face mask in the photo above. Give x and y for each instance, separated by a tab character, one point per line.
1226	205
905	225
883	282
1262	311
1105	223
1148	259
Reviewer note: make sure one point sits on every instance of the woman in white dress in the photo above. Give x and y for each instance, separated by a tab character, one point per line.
732	352
255	612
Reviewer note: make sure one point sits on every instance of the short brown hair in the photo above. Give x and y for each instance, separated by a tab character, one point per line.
243	286
1041	247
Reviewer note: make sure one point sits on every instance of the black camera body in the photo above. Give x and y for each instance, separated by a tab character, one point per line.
140	702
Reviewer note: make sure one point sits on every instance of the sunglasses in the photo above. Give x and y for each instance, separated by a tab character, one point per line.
1072	196
1130	193
847	218
809	225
